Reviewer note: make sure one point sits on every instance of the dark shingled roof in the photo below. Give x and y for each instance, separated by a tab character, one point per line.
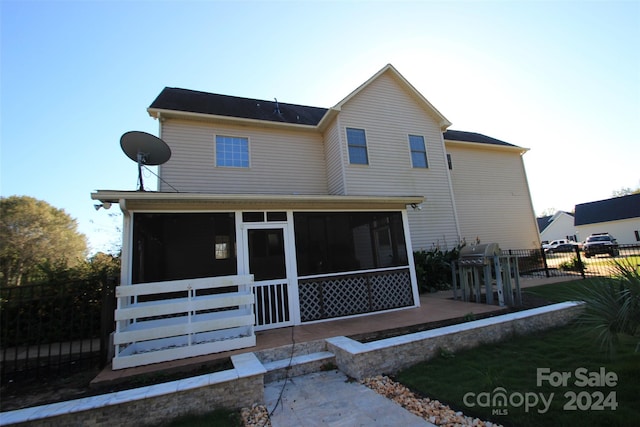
177	99
192	101
614	209
458	135
543	222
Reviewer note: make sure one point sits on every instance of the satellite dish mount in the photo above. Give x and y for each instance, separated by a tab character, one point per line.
144	149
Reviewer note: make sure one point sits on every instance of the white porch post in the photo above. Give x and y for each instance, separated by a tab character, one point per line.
292	270
412	266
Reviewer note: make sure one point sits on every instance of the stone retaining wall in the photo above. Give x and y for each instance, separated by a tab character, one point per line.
153	405
388	356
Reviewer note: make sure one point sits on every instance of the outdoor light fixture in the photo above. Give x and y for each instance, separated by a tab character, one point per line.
105	205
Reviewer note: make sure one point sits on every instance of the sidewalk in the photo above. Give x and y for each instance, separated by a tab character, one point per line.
329	398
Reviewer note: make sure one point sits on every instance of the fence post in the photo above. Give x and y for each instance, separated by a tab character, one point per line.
107	318
580	264
544	259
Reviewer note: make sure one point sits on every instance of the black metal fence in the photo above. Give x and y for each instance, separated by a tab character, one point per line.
49	330
571	261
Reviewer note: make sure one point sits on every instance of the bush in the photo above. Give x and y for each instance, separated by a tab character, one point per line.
433	268
572	265
613	307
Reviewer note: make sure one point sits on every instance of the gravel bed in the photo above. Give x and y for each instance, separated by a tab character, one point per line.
431	410
256	416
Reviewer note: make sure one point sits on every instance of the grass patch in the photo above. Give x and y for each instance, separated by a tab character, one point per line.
500	382
566	291
513	366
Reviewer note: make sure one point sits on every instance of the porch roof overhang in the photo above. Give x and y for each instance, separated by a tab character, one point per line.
157	201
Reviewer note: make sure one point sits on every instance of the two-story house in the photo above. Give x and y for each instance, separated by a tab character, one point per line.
324	206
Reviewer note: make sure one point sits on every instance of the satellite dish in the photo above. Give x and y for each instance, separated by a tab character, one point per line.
144	149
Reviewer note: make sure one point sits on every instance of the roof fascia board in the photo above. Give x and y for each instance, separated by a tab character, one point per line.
442	120
157	113
481	145
328	118
140	200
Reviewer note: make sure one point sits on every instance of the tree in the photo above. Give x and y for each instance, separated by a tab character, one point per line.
625	192
34	236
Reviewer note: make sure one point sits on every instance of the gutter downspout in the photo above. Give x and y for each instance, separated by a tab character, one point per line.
453	200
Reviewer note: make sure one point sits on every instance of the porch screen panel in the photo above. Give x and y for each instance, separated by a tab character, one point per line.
334	242
175	246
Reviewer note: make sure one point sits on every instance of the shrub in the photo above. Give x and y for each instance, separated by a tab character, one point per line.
613	307
433	268
572	265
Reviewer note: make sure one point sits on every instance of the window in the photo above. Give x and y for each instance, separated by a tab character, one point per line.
357	143
418	151
222	247
232	151
449	162
176	246
333	242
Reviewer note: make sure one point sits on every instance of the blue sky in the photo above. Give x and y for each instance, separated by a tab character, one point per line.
559	78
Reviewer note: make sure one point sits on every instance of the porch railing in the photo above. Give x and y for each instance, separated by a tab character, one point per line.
162	321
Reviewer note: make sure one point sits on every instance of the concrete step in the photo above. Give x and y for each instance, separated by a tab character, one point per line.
298	365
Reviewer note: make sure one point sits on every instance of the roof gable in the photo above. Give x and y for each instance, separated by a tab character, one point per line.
545	221
389	69
614	209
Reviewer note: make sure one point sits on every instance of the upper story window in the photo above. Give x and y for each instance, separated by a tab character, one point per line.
418	151
232	151
357	143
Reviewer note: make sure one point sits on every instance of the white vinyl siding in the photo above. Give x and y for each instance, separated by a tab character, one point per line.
389	112
333	154
282	162
492	196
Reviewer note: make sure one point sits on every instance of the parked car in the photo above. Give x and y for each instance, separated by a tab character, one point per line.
559	245
562	247
554	243
600	243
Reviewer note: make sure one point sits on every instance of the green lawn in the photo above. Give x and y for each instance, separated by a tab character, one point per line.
475	380
564	291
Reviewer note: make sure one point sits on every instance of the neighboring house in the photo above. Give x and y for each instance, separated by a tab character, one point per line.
619	216
557	226
323	206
